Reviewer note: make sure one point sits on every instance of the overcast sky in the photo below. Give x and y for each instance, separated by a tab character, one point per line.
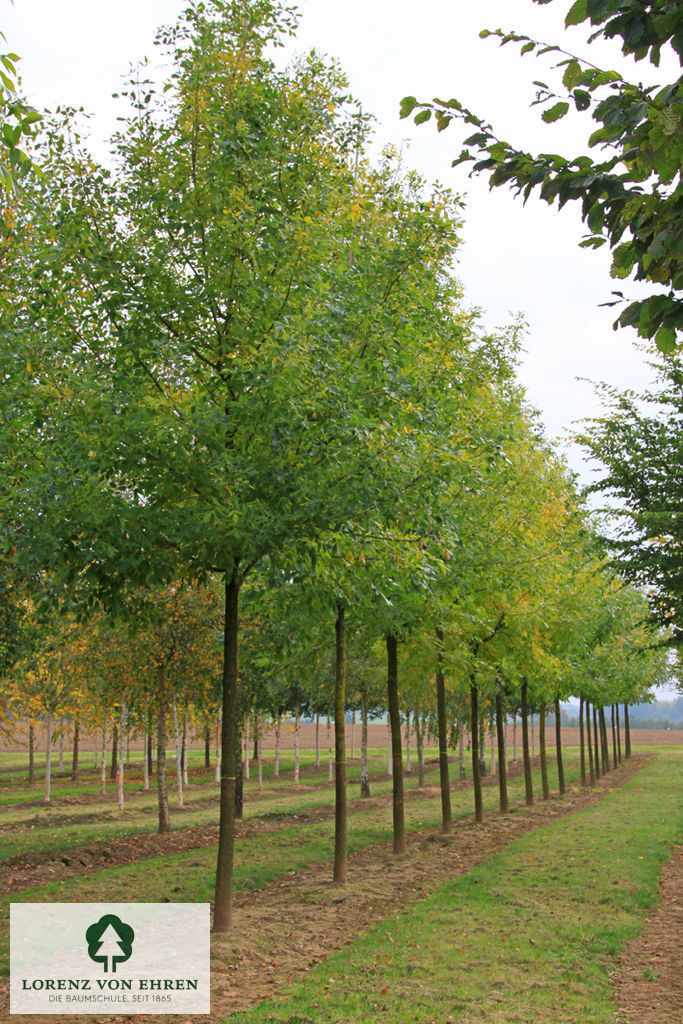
514	259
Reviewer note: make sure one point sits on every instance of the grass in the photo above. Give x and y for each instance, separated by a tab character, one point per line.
530	935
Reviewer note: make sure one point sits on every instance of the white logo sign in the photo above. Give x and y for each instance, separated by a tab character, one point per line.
123	958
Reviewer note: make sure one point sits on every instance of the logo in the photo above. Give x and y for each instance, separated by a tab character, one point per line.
110	942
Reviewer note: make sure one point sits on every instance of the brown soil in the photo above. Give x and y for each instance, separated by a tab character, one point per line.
649	983
281	931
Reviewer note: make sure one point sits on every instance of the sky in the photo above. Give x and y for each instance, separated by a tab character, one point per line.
515	259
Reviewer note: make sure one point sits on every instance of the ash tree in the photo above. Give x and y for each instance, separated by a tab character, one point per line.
631	195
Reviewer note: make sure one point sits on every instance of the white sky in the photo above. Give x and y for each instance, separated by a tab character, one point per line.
514	259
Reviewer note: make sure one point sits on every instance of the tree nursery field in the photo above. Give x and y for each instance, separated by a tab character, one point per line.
518	918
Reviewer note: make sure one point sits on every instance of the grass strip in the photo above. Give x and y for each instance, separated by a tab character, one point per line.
530	935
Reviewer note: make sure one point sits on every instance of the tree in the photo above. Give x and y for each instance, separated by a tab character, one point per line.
632	198
17	125
638	442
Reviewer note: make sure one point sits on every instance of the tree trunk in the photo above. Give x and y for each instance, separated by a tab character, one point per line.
74	759
31	754
482	749
245	752
317	740
258	748
627	732
582	743
61	748
330	752
219	719
528	783
474	732
178	754
339	874
278	730
444	780
596	745
103	763
558	748
364	780
616	709
514	736
207	747
543	752
615	760
353	734
492	738
461	748
119	775
114	751
502	763
533	736
48	758
183	752
222	920
396	752
390	763
145	761
297	744
589	745
419	739
408	767
150	751
603	741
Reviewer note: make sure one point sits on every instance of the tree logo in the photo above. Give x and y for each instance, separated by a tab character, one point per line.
110	941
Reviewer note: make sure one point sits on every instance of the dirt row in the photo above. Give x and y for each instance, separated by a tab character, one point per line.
29	869
281	931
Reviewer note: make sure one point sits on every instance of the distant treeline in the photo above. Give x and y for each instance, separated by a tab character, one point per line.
662	714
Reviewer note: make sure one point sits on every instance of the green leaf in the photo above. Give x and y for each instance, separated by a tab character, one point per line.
423	116
665	339
555	112
577	13
408	103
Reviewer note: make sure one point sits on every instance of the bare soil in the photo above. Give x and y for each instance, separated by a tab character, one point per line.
649	983
281	931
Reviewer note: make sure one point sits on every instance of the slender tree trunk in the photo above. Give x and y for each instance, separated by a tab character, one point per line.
492	741
119	776
419	739
114	751
219	719
364	779
543	752
340	748
278	731
627	732
603	741
297	744
353	734
589	745
461	748
48	758
444	780
558	748
408	767
239	767
222	920
127	745
528	783
330	752
502	763
474	732
150	749
259	752
582	744
31	754
145	762
184	751
245	751
103	763
615	760
514	736
482	749
207	746
96	750
531	730
396	752
616	710
74	759
61	747
596	744
178	754
317	740
390	762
